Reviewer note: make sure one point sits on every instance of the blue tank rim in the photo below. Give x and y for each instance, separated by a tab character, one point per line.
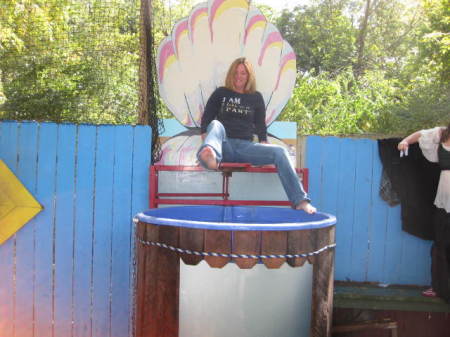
236	218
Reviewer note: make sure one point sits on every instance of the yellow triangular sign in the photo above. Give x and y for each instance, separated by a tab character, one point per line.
17	205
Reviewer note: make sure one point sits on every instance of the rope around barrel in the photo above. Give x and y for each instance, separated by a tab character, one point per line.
242	256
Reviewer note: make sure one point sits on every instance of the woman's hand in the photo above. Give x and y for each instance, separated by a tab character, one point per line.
406	142
264	142
403	146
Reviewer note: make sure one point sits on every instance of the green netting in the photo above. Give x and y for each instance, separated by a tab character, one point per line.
74	61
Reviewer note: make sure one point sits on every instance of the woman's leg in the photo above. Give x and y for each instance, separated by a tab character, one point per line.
439	271
210	153
439	255
267	154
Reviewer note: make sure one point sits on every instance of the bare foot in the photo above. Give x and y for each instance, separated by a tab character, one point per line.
208	156
307	207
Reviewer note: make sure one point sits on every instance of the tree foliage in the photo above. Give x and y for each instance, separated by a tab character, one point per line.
369	66
321	35
69	60
365	66
436	40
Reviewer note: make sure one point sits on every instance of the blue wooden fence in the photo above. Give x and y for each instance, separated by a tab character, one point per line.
345	177
72	264
69	272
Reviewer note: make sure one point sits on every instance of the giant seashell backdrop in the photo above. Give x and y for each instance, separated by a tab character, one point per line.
192	62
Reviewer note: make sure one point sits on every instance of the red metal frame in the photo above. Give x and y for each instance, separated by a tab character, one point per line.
227	170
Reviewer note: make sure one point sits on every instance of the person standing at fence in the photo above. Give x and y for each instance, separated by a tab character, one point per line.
232	115
435	146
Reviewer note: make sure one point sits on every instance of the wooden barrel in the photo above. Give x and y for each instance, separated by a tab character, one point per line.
220	235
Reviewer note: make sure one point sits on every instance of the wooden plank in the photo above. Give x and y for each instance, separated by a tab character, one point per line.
26	172
217	241
121	232
45	193
313	163
83	235
299	242
158	283
393	246
103	214
140	277
345	208
322	292
320	238
365	325
362	211
8	153
274	242
418	250
139	200
315	240
192	239
141	164
330	160
377	230
421	269
167	285
368	296
63	230
246	242
147	262
410	323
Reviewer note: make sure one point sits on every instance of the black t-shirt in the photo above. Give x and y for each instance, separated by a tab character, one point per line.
242	115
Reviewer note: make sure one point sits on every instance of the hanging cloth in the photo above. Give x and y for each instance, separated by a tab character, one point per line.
415	181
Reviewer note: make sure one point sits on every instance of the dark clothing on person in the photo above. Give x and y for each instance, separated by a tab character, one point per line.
444	158
440	251
440	255
242	115
415	181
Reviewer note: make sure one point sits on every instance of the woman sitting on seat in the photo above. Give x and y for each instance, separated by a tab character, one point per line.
232	115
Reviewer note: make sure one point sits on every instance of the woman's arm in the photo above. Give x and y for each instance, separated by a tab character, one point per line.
210	112
411	139
260	119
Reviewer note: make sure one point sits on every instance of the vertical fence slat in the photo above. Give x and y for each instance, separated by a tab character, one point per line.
422	267
141	164
63	245
45	193
393	245
26	173
330	178
362	210
345	206
121	232
8	153
377	232
102	231
139	200
313	155
85	167
417	250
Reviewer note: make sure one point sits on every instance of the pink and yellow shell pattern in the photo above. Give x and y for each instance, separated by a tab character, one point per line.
192	62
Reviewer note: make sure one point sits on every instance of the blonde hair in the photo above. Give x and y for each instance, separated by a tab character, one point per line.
250	86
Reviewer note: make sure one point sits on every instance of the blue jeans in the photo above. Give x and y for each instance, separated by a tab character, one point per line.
234	150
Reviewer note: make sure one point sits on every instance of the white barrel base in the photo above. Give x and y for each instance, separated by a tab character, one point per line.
233	302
